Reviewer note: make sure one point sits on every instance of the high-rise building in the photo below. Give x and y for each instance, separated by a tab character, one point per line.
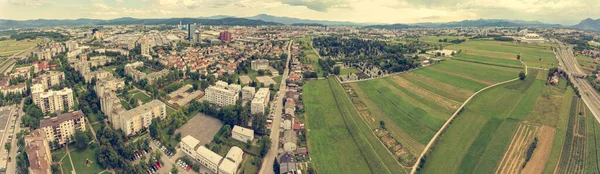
53	101
197	35
225	36
191	30
63	126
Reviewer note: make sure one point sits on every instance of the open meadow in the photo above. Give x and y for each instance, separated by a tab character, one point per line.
534	55
10	47
339	139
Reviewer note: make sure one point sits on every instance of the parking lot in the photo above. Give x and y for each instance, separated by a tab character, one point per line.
202	127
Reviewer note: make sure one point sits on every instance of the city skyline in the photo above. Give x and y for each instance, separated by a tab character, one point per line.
566	12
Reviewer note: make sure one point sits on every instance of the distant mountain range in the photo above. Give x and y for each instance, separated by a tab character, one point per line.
588	24
289	21
264	19
488	23
7	24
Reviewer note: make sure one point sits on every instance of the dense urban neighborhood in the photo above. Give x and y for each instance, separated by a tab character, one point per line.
227	95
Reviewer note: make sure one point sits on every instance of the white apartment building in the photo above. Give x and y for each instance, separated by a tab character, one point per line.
50	79
221	94
53	101
242	134
211	160
260	101
63	126
260	64
139	118
248	93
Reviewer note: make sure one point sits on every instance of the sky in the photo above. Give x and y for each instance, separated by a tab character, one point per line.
567	12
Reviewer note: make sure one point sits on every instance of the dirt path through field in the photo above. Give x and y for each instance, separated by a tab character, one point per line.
540	155
427	95
460	75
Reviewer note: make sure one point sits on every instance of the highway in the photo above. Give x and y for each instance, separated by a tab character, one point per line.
568	62
269	159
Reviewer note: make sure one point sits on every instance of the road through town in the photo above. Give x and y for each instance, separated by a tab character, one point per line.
267	165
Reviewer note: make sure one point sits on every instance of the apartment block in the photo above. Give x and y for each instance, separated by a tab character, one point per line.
248	93
49	79
260	101
138	75
53	101
222	95
139	118
63	126
260	64
242	134
38	152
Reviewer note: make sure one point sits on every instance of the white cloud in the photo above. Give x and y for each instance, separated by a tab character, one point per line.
30	3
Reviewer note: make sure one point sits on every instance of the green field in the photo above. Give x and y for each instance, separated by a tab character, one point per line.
487	73
79	160
488	60
10	47
418	123
450	79
346	71
339	140
586	63
140	96
311	57
478	136
533	55
593	144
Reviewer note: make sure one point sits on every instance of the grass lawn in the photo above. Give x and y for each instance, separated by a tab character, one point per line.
347	71
278	81
170	111
248	168
79	160
140	96
96	127
10	47
339	140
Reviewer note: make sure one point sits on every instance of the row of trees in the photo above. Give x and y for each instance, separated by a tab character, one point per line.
33	35
115	149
